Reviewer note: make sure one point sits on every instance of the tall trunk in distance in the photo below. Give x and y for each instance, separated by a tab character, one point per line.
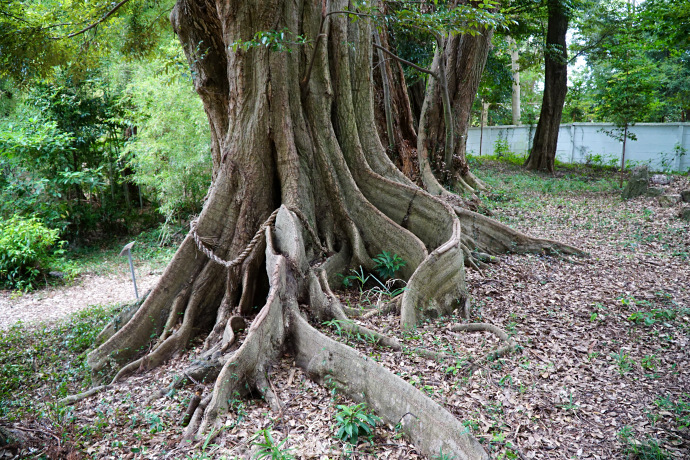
515	69
464	57
303	191
542	157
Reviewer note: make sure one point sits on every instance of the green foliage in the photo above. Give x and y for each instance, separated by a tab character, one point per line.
502	152
358	276
35	36
387	265
353	422
170	153
647	449
269	448
443	456
26	251
637	62
680	409
46	359
649	318
274	40
624	362
60	150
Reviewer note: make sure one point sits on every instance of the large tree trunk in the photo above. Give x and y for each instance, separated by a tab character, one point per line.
542	157
302	190
464	57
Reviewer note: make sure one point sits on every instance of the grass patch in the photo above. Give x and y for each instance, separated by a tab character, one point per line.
510	176
39	365
646	449
156	247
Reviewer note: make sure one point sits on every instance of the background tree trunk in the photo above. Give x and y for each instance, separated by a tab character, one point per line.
515	69
542	157
465	57
404	144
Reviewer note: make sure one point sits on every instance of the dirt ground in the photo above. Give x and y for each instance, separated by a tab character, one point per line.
602	368
53	303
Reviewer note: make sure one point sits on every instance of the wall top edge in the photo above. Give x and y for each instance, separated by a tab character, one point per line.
675	123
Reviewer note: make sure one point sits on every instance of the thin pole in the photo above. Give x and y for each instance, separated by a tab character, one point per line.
128	250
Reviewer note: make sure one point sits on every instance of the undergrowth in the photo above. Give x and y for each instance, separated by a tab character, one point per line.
39	365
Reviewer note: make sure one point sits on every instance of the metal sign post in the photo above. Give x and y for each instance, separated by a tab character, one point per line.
128	250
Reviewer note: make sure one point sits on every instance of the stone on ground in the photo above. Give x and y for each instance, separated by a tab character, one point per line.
655	191
685	213
638	183
666	201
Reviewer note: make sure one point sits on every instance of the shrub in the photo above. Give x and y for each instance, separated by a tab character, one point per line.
171	153
387	265
353	422
25	251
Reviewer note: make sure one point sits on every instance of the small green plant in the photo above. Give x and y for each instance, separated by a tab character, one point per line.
570	405
353	422
627	301
680	409
649	318
648	449
442	456
154	421
269	448
624	362
359	276
458	366
26	251
502	147
650	362
387	265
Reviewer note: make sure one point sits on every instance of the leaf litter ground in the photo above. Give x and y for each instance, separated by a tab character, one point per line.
601	371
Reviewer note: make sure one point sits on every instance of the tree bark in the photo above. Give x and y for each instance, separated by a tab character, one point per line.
515	69
302	190
465	56
542	157
403	146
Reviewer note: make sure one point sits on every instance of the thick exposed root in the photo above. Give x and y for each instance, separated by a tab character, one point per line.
264	341
487	237
430	427
280	322
438	286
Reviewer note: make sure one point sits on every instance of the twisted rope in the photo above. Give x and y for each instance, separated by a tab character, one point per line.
255	240
243	255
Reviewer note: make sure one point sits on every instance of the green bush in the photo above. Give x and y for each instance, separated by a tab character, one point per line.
171	152
26	251
387	265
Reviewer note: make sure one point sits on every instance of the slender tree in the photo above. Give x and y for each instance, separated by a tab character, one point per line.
542	156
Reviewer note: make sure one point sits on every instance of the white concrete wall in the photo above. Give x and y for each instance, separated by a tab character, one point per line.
581	142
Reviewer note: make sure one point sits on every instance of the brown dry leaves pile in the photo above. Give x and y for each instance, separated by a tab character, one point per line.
602	351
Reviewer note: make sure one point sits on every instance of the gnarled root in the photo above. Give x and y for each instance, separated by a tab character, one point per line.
508	346
429	426
280	326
